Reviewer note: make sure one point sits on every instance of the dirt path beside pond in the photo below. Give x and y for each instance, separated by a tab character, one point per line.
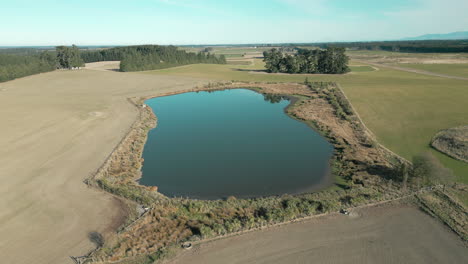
381	234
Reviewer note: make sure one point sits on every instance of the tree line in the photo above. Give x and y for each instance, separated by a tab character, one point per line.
332	60
413	46
410	46
17	65
150	57
19	62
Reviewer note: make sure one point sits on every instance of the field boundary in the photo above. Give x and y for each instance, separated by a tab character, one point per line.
307	218
311	217
371	134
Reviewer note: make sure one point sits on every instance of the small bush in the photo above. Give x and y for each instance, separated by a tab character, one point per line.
96	238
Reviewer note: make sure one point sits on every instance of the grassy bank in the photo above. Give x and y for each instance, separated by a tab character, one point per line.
449	206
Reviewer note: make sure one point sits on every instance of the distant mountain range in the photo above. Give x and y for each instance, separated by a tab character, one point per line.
453	35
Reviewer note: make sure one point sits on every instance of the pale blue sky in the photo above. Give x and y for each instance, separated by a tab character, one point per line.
121	22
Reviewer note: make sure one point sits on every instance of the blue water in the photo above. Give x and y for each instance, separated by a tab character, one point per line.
231	143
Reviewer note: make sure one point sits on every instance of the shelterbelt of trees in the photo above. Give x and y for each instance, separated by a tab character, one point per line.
410	46
150	57
17	66
414	46
333	60
16	62
14	66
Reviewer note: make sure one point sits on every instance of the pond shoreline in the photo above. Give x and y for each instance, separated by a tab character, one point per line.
311	156
354	157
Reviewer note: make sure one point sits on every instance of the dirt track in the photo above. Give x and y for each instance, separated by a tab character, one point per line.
57	129
412	70
372	235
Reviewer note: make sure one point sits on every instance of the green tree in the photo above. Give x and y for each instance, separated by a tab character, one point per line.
17	66
291	64
333	60
68	57
272	60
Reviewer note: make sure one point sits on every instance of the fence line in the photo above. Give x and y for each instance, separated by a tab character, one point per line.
368	130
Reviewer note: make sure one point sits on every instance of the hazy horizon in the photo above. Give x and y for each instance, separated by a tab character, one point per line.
216	44
209	22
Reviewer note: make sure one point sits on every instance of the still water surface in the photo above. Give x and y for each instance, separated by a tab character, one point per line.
231	143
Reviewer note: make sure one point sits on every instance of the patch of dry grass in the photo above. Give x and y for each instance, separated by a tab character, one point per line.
453	142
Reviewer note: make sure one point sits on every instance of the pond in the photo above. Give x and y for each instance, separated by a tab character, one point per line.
211	145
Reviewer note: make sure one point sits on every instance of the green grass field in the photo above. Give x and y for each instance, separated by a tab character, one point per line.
459	69
403	109
389	54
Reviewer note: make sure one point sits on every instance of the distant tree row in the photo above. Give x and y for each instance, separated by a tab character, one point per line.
17	66
159	57
333	60
25	62
16	63
24	51
112	54
150	57
413	46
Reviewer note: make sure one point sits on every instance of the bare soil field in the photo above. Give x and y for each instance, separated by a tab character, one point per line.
103	66
56	130
385	234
